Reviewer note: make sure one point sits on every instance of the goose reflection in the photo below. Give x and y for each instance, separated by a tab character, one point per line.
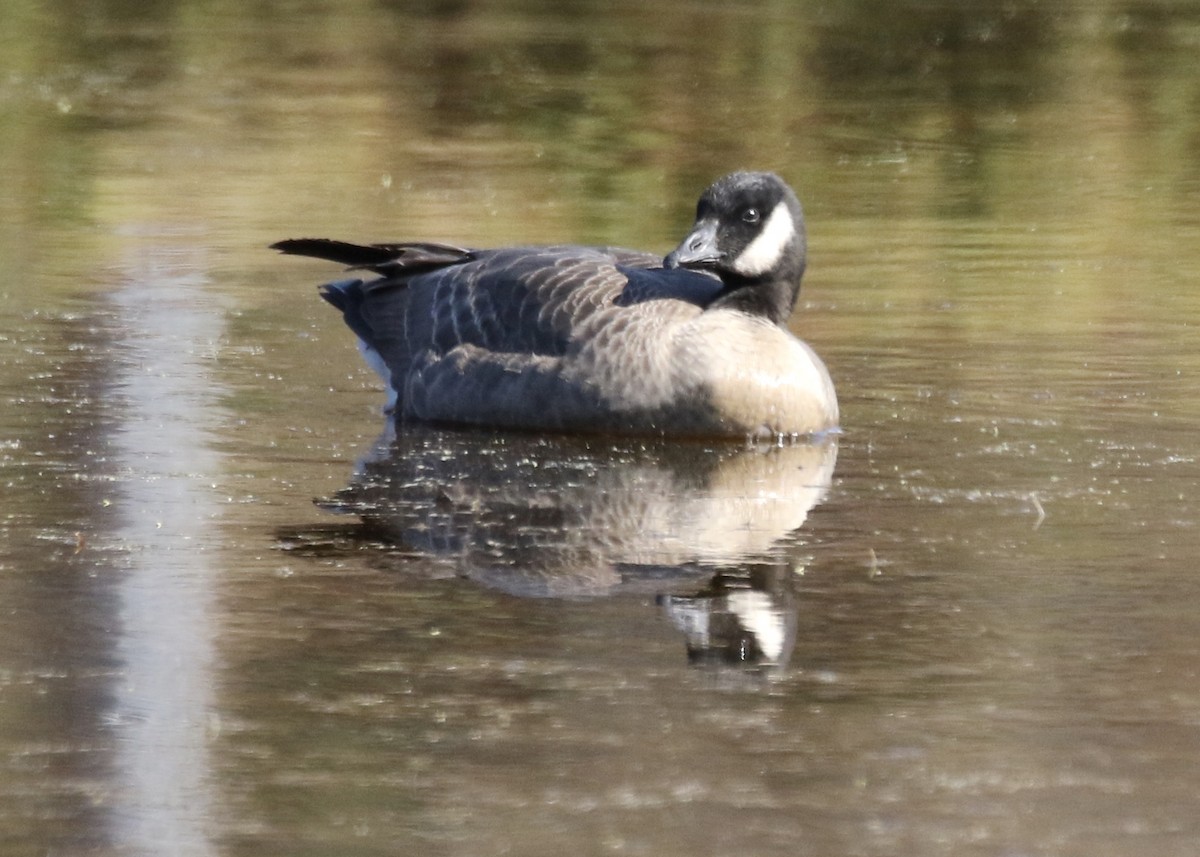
569	516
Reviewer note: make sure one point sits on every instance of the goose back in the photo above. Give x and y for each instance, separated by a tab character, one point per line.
553	338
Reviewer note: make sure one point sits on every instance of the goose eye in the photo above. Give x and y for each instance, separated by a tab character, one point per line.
751	215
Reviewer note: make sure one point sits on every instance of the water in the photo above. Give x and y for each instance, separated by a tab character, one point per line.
969	626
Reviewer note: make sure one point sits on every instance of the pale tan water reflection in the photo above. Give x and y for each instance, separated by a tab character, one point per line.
991	614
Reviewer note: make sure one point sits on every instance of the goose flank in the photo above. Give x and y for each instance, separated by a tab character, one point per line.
596	339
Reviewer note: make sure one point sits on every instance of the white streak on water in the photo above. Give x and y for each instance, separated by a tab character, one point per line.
167	404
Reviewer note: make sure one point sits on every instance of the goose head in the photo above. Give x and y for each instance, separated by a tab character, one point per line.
749	231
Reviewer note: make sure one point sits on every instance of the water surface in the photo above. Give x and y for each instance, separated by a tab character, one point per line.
967	625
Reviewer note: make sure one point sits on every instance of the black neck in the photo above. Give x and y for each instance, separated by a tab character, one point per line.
770	299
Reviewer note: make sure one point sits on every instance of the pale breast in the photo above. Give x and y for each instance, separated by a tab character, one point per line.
759	377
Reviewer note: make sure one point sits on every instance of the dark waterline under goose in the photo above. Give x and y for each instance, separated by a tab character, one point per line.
598	339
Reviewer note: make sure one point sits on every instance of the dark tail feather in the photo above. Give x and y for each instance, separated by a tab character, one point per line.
354	255
382	258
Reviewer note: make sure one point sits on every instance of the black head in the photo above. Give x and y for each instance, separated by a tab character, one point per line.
749	228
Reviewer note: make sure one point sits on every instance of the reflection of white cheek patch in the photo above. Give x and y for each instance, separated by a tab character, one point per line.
764	252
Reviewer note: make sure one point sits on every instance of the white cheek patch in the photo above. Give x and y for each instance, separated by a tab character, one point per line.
764	252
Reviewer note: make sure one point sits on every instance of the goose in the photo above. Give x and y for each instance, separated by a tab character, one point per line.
598	339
